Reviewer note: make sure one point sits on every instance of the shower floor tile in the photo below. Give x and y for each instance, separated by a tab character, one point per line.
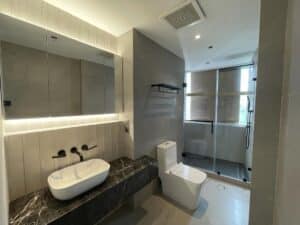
227	168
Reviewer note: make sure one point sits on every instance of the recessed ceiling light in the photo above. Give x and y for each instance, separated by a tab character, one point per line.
198	36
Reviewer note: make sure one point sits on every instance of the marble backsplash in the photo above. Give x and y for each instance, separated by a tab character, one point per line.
29	156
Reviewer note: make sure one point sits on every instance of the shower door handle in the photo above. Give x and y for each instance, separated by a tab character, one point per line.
212	127
248	130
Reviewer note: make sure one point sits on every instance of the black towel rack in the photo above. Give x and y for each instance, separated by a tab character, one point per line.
166	88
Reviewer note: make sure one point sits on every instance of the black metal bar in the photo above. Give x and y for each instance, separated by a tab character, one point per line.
206	121
166	86
202	121
236	67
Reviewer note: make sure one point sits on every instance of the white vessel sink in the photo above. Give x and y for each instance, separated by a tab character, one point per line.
74	180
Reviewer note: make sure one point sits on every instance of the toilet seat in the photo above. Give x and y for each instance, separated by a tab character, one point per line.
188	173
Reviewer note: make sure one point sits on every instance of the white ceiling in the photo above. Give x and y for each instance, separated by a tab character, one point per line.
231	26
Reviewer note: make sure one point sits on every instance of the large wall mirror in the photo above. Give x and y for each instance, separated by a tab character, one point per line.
47	74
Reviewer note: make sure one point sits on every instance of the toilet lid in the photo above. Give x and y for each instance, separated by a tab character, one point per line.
188	173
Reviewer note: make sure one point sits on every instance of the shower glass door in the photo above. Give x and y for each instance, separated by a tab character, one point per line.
199	119
219	115
233	121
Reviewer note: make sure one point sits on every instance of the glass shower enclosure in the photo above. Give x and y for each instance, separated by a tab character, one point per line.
219	114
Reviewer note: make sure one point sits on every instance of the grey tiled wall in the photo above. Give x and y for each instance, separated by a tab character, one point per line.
157	117
29	156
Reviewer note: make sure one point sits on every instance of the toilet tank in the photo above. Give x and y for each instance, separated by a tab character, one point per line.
166	155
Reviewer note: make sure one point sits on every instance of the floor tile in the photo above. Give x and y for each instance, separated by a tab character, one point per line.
227	168
221	204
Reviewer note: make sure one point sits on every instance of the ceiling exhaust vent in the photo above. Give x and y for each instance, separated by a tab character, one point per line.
185	14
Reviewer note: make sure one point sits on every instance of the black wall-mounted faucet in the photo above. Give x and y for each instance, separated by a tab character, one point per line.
74	150
60	154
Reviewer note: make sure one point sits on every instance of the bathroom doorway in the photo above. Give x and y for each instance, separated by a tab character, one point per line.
219	116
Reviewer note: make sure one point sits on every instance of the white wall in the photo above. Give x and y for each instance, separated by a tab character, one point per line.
268	110
3	181
3	177
287	201
125	48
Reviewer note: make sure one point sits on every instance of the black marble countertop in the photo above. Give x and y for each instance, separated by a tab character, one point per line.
40	207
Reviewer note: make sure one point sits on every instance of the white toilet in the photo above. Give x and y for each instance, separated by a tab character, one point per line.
180	182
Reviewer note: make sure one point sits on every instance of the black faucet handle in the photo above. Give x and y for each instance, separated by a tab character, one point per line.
60	154
74	150
85	147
